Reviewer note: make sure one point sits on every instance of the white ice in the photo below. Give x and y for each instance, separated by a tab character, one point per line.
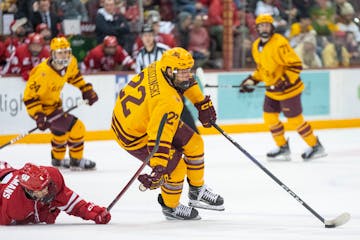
256	206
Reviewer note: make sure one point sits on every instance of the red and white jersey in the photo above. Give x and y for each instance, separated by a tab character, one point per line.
23	61
17	208
98	61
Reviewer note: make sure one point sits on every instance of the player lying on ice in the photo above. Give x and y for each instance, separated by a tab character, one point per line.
37	194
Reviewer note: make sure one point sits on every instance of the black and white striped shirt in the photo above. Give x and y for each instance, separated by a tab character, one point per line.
144	58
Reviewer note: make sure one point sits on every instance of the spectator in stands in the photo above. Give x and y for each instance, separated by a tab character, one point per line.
306	50
70	9
335	54
44	15
108	56
190	6
346	23
199	42
181	30
107	22
216	27
151	50
25	8
18	31
153	18
28	55
8	6
323	18
299	30
353	48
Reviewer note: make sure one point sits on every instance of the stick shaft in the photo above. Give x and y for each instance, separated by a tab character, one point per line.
21	136
272	176
146	161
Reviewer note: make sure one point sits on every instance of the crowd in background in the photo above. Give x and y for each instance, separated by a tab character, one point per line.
324	33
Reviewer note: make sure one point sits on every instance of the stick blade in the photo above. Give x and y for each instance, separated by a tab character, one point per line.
338	221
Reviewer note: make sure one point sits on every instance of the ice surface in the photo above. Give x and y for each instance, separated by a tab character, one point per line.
256	206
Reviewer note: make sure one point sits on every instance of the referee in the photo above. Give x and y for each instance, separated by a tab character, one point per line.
151	51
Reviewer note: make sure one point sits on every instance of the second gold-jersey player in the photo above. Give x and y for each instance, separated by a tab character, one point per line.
278	66
139	108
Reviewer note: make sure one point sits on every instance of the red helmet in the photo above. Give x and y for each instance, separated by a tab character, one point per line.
36	38
34	178
40	27
110	41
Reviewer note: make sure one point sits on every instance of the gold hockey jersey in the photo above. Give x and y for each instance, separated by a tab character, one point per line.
141	105
277	60
43	89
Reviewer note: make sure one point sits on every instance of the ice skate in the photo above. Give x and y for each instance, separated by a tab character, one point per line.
65	163
81	164
280	153
317	151
203	197
181	212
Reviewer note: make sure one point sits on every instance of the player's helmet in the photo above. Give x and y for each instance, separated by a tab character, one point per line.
33	178
264	18
110	41
36	43
36	38
60	44
176	58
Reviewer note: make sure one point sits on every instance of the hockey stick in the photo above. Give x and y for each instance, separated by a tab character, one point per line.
338	221
146	161
201	76
21	136
234	86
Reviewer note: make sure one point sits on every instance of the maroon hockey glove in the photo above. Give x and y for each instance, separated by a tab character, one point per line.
96	213
247	85
89	94
282	84
41	121
207	114
155	179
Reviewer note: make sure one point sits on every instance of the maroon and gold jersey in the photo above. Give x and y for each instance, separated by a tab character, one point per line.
277	60
141	105
42	92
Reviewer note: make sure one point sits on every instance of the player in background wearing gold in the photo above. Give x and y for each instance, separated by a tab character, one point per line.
42	100
279	68
138	110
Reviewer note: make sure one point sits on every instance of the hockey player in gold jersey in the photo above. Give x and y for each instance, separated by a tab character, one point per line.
42	100
279	68
138	110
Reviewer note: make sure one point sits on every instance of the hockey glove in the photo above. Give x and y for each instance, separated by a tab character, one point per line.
247	85
282	84
89	94
155	180
99	215
207	114
48	216
41	121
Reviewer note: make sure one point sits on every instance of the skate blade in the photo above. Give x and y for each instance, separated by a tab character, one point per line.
198	204
279	159
315	157
170	218
80	169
